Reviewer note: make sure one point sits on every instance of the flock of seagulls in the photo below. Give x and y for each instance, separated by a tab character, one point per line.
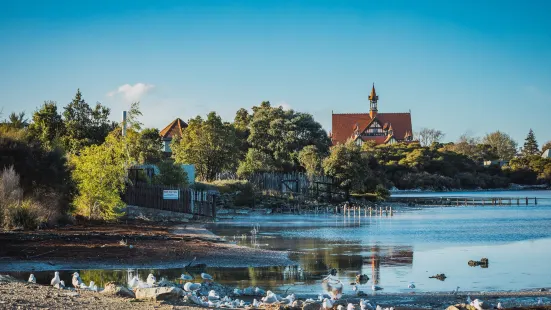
331	284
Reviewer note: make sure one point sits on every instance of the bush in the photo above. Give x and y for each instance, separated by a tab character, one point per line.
244	191
171	174
22	214
382	193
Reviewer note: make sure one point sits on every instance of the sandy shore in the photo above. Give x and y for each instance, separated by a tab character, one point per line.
126	245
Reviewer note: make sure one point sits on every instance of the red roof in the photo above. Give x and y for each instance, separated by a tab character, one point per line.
174	128
343	125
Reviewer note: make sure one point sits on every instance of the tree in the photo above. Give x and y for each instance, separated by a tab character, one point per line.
283	134
256	161
132	117
504	145
242	132
149	146
546	146
17	121
530	145
348	166
208	144
47	125
171	174
311	159
100	172
85	125
427	136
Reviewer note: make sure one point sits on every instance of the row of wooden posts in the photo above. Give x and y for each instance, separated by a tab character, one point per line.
466	201
353	210
495	201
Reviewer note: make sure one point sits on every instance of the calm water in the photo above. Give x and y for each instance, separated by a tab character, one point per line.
392	251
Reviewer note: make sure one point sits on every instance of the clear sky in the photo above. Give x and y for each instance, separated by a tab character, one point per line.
459	66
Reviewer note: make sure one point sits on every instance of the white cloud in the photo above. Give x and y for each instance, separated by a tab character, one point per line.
284	105
131	93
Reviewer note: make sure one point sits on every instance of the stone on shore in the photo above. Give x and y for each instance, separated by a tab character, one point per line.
114	289
159	293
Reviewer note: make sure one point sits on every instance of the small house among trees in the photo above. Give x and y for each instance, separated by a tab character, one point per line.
171	131
381	128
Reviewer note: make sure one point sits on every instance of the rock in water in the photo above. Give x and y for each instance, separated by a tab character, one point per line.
159	293
114	289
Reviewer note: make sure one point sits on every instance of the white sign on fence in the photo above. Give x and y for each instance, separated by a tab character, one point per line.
170	194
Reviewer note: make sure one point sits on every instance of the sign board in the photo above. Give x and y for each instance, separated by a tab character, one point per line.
170	194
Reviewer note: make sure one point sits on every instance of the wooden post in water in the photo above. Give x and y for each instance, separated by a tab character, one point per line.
457	201
390	211
518	202
510	201
370	210
483	203
535	200
526	200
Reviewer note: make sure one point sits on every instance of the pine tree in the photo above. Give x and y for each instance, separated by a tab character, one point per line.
530	145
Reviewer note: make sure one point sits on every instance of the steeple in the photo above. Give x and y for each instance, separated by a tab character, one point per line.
373	102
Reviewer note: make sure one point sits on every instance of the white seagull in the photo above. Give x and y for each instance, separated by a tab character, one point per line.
350	307
270	298
77	281
186	277
469	300
151	279
32	278
56	279
340	307
256	304
93	287
499	306
213	296
133	283
327	304
192	287
207	277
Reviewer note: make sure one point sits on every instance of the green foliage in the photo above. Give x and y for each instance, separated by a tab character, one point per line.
311	159
349	166
85	125
100	172
530	145
256	161
132	117
474	149
149	146
171	174
16	121
382	193
505	147
21	215
283	134
47	125
244	191
546	146
208	144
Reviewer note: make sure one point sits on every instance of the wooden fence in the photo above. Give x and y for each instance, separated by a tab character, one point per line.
189	201
288	183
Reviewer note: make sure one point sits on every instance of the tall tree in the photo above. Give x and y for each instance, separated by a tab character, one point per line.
505	146
47	125
85	125
242	132
311	159
428	136
530	145
17	121
208	144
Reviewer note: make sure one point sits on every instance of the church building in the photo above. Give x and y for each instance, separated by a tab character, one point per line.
382	128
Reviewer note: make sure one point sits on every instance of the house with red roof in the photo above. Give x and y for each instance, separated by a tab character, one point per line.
382	128
174	129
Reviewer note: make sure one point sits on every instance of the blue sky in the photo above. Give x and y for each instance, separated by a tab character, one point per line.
459	66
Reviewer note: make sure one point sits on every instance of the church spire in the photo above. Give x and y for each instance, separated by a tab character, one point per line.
373	98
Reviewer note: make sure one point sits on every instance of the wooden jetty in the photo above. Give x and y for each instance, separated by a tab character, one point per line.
467	201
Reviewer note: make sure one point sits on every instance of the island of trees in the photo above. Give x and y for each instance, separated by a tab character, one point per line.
74	160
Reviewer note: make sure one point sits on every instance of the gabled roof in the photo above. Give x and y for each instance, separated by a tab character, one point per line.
173	129
343	124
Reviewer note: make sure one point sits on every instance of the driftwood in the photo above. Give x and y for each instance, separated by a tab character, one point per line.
483	263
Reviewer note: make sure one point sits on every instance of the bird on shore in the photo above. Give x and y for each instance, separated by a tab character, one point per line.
376	287
469	299
151	279
186	277
540	301
77	281
192	287
256	304
327	304
333	286
32	278
270	298
56	279
350	307
93	287
411	285
365	305
340	307
456	291
207	277
133	283
213	296
499	306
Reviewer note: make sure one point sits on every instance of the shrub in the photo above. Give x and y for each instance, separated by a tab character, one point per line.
244	191
22	214
171	174
382	193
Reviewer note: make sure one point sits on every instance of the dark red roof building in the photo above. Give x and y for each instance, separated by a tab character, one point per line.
382	128
169	132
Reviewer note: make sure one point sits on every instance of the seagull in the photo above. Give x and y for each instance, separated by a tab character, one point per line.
258	291
60	285
32	278
365	305
77	281
456	290
237	292
499	306
376	287
213	296
540	301
469	299
354	288
192	287
270	298
340	307
333	286
133	283
350	307
56	279
411	285
186	277
256	304
327	304
151	279
207	277
93	286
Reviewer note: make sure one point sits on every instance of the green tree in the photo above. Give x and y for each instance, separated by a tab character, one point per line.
256	161
348	166
132	117
242	132
16	121
208	144
47	125
504	145
171	174
530	145
85	125
311	159
150	145
100	173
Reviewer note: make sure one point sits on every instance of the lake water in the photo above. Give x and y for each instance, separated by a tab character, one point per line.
393	251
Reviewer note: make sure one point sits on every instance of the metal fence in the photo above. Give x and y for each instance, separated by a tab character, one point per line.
188	200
